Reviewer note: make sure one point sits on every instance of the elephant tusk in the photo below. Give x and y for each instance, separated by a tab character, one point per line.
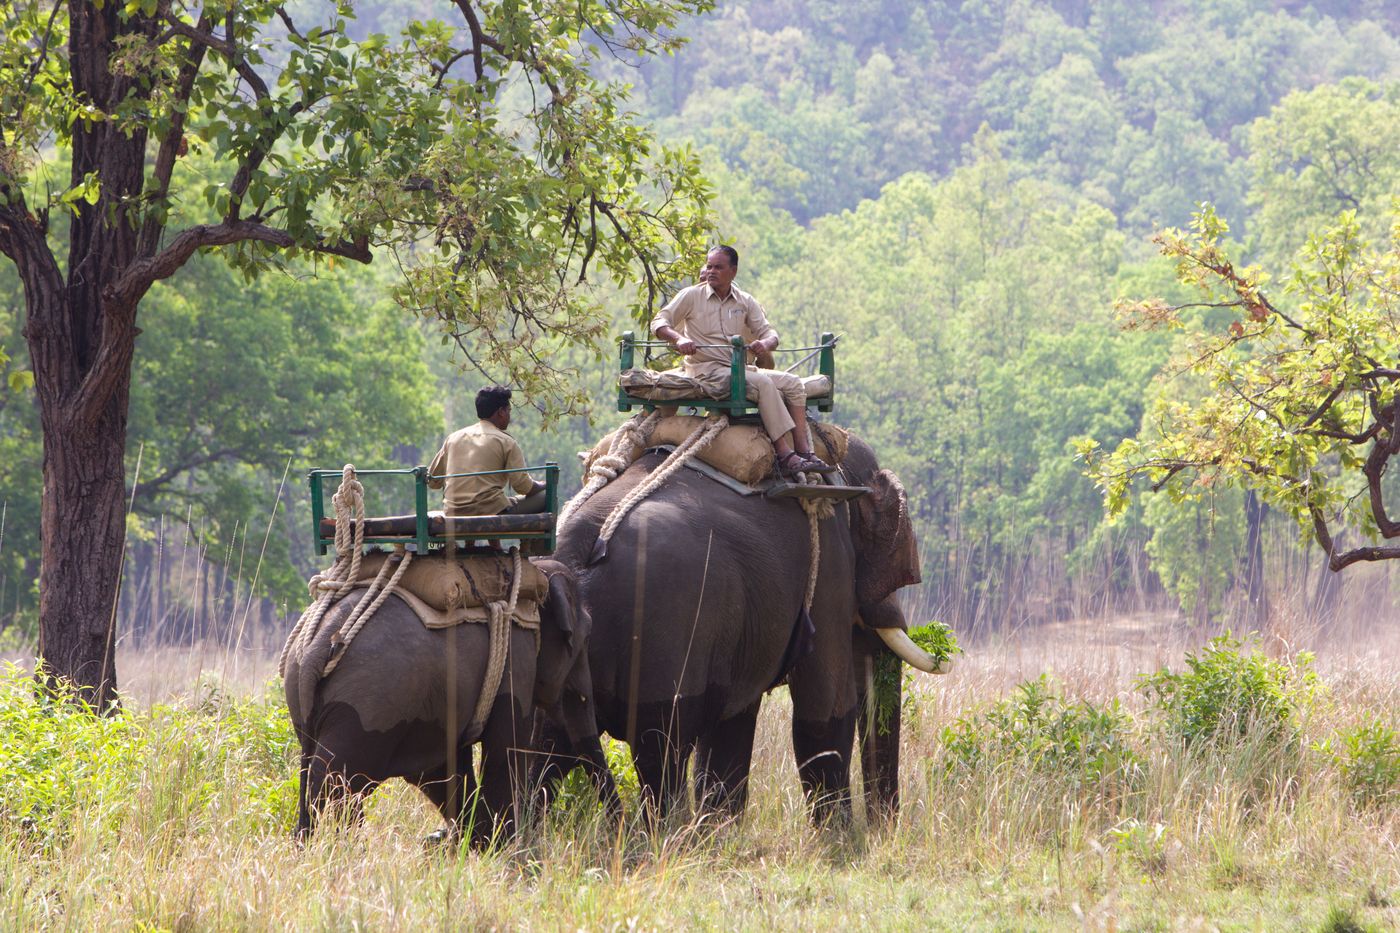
903	646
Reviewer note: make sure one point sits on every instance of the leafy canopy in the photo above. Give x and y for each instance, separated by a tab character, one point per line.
1296	401
483	152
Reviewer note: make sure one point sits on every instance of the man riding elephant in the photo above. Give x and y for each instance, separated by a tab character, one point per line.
485	447
699	321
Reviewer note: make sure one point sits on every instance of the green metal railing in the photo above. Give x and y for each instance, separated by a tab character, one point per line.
737	403
422	537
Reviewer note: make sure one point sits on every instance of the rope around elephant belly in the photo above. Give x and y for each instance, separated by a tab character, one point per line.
683	454
349	504
501	614
629	440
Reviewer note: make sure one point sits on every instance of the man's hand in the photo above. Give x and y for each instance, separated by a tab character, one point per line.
684	345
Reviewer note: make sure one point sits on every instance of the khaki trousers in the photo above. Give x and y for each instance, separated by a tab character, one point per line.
772	389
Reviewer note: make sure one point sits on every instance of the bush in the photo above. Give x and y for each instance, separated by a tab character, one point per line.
60	763
1037	729
1226	694
55	753
1368	758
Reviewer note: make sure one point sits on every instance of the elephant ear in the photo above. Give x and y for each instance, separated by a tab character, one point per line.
562	603
887	557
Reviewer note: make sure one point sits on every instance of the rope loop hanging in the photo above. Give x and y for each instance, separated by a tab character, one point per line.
349	505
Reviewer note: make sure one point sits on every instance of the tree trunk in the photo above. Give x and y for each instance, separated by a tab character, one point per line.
1257	596
83	527
82	334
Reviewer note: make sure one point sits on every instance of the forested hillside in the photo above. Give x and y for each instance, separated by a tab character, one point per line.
961	190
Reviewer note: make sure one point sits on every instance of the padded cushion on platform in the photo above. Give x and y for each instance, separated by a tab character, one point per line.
451	582
672	385
456	526
742	451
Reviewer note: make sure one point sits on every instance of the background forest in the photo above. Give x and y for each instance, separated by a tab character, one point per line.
961	190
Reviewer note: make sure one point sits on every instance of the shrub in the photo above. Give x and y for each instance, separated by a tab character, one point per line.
1228	693
60	763
57	754
1368	757
1038	729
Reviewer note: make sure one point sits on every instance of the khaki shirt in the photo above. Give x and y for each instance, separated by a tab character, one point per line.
481	446
698	313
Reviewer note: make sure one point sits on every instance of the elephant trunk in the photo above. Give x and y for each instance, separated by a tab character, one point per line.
903	646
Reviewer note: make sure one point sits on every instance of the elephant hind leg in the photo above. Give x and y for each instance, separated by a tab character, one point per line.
453	796
660	759
329	790
722	760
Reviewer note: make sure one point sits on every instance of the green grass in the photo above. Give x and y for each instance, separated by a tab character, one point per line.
1029	807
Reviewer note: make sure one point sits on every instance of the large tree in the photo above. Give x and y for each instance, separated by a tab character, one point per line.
1298	398
482	152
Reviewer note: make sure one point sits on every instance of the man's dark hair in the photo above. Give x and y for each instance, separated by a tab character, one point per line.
730	252
491	400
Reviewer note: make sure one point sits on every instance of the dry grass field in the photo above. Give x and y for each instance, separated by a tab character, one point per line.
1092	813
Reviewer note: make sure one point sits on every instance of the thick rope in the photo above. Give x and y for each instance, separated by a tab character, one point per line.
629	440
501	614
366	609
685	452
814	539
349	504
817	510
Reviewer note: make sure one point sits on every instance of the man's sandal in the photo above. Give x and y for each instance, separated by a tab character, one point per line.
793	463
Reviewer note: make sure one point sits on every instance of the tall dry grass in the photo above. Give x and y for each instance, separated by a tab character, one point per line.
179	816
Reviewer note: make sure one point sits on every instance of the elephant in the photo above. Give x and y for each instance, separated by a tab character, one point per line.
401	701
698	610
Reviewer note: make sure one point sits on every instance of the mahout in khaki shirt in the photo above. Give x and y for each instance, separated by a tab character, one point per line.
709	320
475	448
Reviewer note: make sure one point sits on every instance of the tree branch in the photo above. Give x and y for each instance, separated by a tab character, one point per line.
170	146
38	61
224	47
1336	561
119	301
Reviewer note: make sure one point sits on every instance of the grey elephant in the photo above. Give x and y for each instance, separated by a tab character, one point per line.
400	704
698	610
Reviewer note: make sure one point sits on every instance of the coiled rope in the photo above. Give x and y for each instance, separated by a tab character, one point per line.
686	451
499	628
349	504
367	606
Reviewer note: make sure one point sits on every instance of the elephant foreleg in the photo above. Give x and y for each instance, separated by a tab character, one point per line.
822	749
504	775
879	677
722	759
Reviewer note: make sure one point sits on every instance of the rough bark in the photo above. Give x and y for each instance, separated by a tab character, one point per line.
81	339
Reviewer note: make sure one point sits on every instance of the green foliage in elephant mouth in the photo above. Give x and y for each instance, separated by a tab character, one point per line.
937	639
